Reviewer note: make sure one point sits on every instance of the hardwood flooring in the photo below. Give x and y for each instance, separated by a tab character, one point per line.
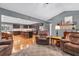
20	42
41	50
27	47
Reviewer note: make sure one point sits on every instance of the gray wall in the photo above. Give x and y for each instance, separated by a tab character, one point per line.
60	17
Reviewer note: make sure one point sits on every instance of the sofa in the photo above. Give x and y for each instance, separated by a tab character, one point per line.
6	44
6	47
71	43
42	39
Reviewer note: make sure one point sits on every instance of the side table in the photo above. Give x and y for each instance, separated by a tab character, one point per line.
55	41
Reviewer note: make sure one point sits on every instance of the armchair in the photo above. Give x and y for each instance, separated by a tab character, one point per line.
71	44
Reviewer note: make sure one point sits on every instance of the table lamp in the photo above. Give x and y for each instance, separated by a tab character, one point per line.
57	27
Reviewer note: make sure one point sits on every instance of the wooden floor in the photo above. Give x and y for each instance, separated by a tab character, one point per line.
41	50
20	42
27	47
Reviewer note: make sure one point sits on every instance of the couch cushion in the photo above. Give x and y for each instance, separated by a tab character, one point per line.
72	47
68	37
74	38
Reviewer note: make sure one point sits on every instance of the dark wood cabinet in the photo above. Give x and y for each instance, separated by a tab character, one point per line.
16	26
25	26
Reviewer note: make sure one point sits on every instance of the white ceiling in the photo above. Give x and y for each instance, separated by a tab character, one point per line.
8	19
40	10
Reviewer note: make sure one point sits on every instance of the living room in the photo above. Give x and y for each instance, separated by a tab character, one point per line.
40	33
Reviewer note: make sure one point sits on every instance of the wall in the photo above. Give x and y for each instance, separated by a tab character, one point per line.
60	17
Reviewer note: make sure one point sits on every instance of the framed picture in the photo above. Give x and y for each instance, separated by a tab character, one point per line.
68	20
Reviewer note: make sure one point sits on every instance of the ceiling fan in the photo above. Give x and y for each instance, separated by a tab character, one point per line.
45	4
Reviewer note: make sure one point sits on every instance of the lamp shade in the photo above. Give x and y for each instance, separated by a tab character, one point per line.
57	27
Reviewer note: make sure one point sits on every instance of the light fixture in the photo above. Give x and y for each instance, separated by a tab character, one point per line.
45	4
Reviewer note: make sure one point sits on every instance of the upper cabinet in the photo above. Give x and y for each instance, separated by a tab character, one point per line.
16	26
